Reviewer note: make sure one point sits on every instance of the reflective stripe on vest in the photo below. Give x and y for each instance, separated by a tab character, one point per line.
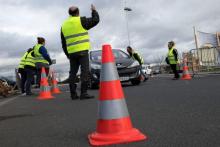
171	57
76	37
30	60
38	56
22	62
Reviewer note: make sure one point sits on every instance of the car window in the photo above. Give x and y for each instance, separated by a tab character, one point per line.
119	54
97	55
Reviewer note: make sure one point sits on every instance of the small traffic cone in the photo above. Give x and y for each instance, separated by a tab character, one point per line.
44	87
186	75
113	125
55	88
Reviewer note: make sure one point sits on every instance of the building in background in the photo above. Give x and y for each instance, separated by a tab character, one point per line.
207	50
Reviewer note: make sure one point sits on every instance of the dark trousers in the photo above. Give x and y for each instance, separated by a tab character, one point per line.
39	74
174	69
30	76
23	79
79	59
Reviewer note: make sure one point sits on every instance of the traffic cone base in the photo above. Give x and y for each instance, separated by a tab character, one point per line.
186	77
45	93
98	139
114	125
56	91
55	88
45	96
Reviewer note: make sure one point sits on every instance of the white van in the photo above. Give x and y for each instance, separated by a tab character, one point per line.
146	69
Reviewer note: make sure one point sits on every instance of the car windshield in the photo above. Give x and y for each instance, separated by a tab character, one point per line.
118	54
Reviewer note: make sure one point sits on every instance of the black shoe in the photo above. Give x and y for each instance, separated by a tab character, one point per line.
145	79
29	94
175	78
85	96
74	96
37	86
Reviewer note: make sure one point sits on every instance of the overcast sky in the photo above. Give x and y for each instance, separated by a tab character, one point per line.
152	23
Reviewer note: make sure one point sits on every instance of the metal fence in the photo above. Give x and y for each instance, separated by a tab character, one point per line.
204	59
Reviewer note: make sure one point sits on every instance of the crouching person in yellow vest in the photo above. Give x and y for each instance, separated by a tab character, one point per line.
75	43
138	58
42	58
30	69
172	59
22	72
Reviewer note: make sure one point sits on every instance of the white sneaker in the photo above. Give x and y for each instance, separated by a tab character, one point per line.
23	94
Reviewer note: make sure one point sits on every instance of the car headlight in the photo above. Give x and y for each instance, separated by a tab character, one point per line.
135	63
95	66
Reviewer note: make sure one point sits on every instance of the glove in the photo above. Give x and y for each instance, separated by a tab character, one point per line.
50	63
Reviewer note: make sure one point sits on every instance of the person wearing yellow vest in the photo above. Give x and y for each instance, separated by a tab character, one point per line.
136	56
76	44
172	59
22	72
42	58
30	69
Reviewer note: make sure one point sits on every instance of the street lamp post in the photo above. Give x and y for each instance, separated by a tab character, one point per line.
126	9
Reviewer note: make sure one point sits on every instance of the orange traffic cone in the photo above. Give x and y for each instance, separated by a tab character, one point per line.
186	75
113	125
44	87
55	88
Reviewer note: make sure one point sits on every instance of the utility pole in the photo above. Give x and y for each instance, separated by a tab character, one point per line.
127	9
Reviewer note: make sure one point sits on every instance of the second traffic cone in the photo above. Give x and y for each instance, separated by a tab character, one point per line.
113	125
186	75
55	88
44	87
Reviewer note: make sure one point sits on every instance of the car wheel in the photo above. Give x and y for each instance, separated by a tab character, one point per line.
91	85
135	82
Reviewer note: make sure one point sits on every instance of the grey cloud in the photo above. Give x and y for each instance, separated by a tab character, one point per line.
151	23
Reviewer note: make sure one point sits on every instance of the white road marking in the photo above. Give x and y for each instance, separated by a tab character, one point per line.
8	100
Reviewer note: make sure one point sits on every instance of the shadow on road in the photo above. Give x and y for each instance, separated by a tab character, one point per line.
2	118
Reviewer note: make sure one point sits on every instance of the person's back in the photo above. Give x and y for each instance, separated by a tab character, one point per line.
75	43
21	71
74	31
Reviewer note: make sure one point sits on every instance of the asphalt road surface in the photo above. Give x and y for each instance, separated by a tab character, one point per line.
171	113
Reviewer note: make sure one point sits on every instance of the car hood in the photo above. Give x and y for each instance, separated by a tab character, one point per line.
120	63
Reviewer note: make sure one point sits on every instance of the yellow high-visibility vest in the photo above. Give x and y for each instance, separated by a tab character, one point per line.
139	56
22	62
30	60
77	38
38	56
171	57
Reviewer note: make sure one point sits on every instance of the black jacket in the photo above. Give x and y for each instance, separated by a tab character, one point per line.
87	24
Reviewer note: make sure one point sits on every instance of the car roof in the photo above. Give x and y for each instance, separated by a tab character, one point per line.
101	49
